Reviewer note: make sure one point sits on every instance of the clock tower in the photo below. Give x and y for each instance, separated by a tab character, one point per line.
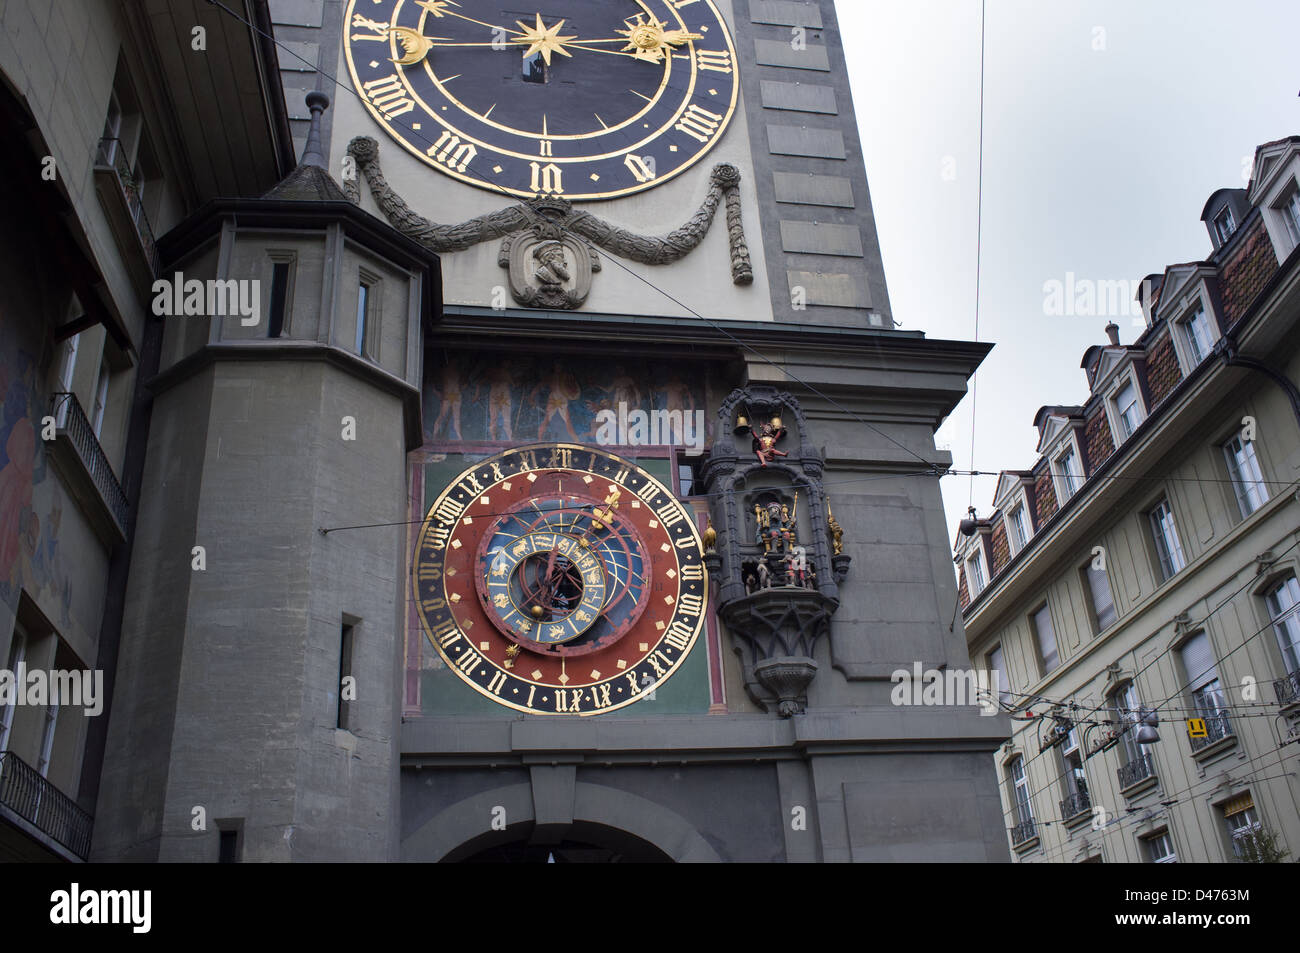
648	520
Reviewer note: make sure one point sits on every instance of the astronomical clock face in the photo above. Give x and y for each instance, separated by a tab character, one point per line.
581	99
559	579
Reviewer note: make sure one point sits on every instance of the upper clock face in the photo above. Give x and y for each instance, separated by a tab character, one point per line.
560	579
582	99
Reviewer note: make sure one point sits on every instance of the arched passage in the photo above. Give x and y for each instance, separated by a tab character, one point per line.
620	824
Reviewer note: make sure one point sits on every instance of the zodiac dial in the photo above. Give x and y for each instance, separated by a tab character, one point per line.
560	579
589	99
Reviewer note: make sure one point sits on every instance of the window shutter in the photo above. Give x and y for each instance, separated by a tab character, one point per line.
1198	662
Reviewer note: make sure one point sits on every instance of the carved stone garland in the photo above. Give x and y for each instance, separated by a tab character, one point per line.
550	266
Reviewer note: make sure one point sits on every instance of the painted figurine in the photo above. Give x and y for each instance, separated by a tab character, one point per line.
837	531
764	575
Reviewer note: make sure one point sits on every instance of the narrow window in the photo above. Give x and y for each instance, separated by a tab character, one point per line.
1067	468
347	681
17	651
101	400
279	298
1042	623
997	664
1103	601
1283	602
1224	225
1160	848
1130	414
363	312
1199	336
1205	690
1243	469
535	69
1290	208
230	841
975	575
1242	820
1168	547
1019	528
1075	780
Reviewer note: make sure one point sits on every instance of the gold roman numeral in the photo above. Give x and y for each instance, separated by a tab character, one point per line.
710	60
388	95
699	123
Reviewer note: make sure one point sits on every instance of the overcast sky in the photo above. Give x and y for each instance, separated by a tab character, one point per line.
1107	125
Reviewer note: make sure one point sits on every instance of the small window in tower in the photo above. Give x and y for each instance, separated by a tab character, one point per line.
230	842
279	298
363	312
535	69
347	681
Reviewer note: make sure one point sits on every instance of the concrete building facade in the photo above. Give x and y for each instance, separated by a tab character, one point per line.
1148	562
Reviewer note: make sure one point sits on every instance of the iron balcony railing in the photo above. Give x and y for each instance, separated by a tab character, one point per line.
1139	769
1075	804
1023	832
1288	689
69	417
36	800
1217	727
110	155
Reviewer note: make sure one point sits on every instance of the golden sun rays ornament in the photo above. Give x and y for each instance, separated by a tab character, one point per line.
649	40
543	39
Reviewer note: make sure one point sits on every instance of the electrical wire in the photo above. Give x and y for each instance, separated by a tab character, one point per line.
786	373
1025	763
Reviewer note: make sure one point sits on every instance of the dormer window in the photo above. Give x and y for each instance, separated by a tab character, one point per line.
1224	225
1127	410
1200	339
1069	476
1018	528
1288	208
975	580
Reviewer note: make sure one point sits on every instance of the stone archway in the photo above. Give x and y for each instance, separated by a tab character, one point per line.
556	809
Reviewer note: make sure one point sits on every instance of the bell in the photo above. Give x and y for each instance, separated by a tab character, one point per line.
742	424
776	423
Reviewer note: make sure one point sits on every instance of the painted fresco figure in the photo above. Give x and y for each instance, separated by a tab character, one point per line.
449	397
562	388
499	401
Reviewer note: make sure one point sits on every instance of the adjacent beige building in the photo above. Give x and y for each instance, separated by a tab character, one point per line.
1150	561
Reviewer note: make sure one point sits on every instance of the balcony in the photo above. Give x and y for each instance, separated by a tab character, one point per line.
1288	690
1219	735
80	460
119	194
1075	806
38	802
1023	834
1139	770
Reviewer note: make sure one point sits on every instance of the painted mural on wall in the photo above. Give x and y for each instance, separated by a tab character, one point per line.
31	510
525	399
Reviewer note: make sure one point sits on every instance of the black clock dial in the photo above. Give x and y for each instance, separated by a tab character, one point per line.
576	98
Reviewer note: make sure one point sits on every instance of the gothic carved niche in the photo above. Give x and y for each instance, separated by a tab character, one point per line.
777	570
541	283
